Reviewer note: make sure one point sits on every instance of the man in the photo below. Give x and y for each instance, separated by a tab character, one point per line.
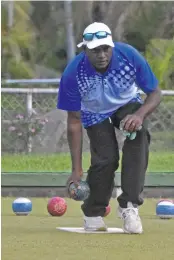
99	91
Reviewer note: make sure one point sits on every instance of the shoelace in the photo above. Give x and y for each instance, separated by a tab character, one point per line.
129	212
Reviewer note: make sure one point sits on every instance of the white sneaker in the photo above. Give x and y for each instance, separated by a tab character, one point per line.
132	222
94	224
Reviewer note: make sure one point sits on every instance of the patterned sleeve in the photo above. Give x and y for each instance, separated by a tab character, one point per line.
68	94
145	78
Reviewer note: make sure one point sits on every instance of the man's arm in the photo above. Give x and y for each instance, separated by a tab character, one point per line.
151	102
69	99
133	122
148	83
74	136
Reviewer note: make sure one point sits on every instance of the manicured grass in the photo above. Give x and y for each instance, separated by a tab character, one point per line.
158	161
35	236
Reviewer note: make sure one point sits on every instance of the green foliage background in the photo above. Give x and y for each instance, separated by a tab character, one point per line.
35	45
18	42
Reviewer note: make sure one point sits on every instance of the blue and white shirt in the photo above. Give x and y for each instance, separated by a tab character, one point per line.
98	95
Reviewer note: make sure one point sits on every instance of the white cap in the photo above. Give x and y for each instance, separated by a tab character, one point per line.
93	28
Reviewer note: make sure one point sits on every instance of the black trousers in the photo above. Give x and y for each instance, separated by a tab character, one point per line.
105	161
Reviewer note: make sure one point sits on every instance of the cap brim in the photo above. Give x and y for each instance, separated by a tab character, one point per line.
97	42
80	44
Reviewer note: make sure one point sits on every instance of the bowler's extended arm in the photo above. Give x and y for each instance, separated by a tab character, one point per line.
152	101
74	135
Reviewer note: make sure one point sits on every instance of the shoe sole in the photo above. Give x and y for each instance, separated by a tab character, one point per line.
133	233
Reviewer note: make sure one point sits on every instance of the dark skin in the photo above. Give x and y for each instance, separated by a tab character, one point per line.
74	136
100	58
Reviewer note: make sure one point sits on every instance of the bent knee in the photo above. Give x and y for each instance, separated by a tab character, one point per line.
112	163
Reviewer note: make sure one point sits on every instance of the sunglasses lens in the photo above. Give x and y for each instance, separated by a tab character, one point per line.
88	36
101	35
98	35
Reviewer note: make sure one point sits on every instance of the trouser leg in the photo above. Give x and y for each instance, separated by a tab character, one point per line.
134	159
133	168
104	163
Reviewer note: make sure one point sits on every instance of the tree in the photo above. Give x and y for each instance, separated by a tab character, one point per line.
18	41
152	20
160	55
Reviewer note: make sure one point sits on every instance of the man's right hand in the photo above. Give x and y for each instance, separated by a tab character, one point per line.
75	177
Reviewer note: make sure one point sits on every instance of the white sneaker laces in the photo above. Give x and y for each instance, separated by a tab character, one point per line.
132	221
130	212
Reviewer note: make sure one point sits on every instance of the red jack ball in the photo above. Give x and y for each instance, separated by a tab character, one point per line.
108	210
57	206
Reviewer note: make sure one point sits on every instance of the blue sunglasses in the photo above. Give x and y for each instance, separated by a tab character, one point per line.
99	35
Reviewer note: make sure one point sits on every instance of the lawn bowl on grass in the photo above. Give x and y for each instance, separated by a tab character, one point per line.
165	209
22	206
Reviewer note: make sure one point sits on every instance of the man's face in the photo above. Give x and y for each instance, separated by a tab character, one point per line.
100	57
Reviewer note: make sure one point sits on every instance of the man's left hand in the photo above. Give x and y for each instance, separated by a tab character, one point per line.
132	123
